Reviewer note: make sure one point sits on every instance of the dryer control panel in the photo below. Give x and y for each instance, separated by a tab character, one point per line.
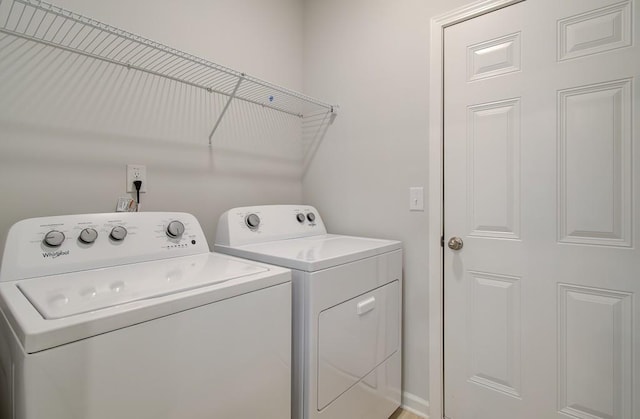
69	243
245	225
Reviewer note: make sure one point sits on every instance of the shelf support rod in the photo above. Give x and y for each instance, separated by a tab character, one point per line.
226	106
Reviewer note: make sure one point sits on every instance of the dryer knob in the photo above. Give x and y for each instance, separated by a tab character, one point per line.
118	233
311	217
300	217
54	238
88	235
252	221
175	229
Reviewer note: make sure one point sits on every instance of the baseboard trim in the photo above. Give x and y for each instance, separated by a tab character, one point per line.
414	404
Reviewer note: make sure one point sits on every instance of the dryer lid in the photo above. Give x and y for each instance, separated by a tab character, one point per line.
60	296
313	253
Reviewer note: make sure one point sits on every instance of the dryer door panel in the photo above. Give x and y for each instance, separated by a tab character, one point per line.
355	337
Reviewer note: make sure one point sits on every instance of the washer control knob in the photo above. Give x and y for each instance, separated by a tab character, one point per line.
54	238
311	217
175	229
300	217
118	233
252	221
88	235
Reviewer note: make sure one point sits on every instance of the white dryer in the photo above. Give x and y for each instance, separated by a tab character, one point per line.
346	308
130	316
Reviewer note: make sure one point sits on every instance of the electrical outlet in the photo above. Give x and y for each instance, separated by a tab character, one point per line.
136	172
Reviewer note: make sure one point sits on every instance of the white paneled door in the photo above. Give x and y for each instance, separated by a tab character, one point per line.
542	163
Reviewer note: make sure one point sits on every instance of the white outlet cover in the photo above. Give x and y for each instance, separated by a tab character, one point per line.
134	172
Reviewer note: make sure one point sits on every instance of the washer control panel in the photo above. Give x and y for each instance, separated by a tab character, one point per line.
60	244
245	225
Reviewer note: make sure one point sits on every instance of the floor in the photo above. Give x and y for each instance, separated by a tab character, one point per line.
403	414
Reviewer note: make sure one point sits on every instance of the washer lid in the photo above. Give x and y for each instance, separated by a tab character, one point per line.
168	287
313	253
60	296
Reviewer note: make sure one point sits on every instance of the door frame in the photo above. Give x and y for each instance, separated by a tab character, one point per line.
436	190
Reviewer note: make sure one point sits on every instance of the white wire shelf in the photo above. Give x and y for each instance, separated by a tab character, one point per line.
53	26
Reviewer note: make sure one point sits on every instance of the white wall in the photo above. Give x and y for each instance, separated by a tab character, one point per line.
371	57
62	150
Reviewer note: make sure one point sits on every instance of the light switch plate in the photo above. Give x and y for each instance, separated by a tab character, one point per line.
416	198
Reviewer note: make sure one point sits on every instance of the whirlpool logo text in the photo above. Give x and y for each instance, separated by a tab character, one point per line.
54	255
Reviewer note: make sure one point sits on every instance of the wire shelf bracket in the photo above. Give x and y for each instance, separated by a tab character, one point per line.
226	106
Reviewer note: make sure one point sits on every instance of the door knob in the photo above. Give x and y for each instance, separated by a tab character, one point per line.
455	243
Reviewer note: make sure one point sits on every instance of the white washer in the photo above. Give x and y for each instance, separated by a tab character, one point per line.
346	308
130	316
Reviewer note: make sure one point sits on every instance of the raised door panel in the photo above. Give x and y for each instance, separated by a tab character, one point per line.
493	167
595	31
594	353
494	57
595	164
493	332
